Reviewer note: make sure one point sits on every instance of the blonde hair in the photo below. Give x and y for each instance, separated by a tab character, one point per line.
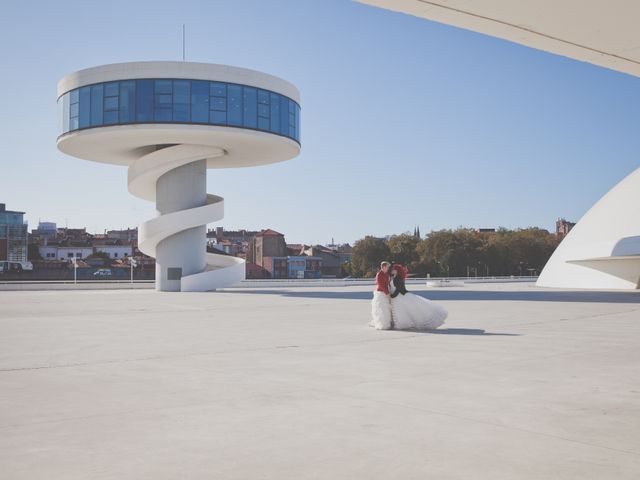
384	264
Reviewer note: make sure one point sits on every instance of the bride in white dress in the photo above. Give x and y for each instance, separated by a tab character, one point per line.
411	311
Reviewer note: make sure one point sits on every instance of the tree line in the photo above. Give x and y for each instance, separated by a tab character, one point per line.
457	253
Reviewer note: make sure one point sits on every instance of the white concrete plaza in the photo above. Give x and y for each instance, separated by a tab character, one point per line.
523	383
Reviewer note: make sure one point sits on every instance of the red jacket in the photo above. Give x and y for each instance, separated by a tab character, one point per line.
382	282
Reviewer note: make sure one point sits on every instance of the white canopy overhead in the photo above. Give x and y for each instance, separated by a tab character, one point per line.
602	32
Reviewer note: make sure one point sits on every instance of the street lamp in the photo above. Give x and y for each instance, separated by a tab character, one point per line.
132	263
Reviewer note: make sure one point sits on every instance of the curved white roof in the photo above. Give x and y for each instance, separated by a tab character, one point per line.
601	32
186	70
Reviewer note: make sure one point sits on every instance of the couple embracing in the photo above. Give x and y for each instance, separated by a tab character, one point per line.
393	307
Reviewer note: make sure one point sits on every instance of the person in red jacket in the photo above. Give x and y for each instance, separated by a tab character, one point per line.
381	303
383	278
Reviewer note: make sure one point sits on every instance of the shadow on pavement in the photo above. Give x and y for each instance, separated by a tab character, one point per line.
585	296
462	331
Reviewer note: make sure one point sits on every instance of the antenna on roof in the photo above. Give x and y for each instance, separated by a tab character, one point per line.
183	50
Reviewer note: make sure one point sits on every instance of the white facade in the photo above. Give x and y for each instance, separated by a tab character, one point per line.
53	252
603	249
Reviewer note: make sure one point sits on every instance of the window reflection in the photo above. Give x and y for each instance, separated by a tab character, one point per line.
179	101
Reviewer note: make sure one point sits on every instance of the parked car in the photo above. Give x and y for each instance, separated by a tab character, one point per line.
102	272
9	266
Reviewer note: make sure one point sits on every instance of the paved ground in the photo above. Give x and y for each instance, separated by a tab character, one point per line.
291	384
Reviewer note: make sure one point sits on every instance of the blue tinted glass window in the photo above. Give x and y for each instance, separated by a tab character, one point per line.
219	118
111	117
219	104
234	105
163	101
127	101
250	105
275	113
200	102
181	91
85	107
111	89
218	89
96	104
284	115
181	112
264	111
180	101
163	115
263	97
144	100
111	103
163	86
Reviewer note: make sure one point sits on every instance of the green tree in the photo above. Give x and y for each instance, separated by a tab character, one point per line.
367	255
403	250
459	252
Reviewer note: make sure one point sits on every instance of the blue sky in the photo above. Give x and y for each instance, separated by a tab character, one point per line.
404	122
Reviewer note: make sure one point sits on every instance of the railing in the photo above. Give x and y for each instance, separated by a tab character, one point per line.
346	282
71	281
286	282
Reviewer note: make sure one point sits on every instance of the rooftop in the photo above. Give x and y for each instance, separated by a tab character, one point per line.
282	383
3	209
269	233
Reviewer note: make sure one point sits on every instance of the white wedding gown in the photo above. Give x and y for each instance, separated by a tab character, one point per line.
380	311
413	312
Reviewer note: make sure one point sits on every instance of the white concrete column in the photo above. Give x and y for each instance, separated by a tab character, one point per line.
183	253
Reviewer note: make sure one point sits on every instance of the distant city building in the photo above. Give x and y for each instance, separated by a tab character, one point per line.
69	250
45	230
255	271
295	248
13	235
485	230
300	267
563	226
331	261
73	234
267	243
65	250
116	249
231	242
344	256
226	246
234	236
129	235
